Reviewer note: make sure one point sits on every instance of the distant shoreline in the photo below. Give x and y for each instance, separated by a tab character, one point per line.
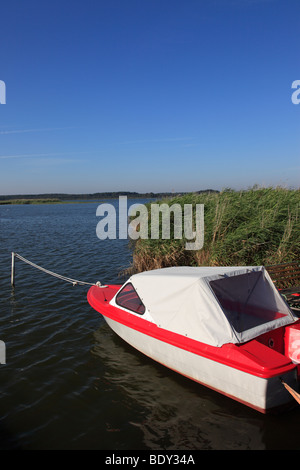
11	202
30	201
67	198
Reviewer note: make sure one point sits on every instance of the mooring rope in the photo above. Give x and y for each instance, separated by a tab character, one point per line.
75	282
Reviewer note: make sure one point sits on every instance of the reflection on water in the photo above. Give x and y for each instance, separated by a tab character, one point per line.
70	383
171	411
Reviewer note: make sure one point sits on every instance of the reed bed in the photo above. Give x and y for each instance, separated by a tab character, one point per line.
258	226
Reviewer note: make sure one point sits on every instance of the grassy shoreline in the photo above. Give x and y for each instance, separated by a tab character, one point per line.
45	201
31	201
251	227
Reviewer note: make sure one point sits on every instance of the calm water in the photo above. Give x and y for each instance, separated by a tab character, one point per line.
70	383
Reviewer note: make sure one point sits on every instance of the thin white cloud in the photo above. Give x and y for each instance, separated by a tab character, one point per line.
149	141
22	131
37	155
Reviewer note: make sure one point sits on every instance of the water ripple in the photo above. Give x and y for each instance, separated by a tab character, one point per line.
69	382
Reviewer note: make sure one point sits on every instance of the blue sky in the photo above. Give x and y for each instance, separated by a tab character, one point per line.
148	95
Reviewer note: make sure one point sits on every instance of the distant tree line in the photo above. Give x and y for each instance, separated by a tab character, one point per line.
100	195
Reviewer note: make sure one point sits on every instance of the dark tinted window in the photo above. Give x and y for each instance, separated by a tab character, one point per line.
246	300
129	299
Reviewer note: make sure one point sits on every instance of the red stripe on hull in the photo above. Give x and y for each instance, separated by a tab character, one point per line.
253	357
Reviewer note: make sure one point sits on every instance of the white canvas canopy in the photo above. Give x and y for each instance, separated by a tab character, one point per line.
214	305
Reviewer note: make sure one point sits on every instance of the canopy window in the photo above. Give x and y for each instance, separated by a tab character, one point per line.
128	298
248	301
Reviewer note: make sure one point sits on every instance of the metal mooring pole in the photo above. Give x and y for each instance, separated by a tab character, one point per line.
12	269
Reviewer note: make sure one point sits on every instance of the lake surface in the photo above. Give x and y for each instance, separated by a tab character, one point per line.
70	383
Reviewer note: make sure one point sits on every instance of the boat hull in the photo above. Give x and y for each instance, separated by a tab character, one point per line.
251	373
264	394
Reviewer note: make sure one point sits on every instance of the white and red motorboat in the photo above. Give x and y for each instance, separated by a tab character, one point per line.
227	328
